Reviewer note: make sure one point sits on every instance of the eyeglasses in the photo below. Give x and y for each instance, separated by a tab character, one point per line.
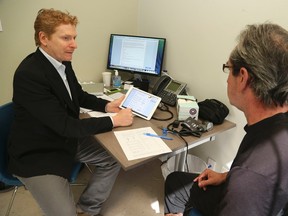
226	68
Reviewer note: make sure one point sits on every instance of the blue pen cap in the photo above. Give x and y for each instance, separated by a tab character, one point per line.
164	131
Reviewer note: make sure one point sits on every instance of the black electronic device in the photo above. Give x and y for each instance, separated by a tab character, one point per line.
197	125
136	54
168	89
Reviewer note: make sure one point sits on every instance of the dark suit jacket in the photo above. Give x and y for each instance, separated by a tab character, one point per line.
47	127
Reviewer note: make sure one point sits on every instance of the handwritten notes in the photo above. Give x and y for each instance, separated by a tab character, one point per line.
137	145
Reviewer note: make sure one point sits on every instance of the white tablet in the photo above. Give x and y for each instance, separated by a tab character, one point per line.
143	104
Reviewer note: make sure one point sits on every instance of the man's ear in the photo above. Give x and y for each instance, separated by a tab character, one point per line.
43	38
244	77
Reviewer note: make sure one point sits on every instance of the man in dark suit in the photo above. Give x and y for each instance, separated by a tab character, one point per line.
47	136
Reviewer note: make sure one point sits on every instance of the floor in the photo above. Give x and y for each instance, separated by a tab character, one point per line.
136	192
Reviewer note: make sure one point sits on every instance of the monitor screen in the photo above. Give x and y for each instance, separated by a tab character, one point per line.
136	54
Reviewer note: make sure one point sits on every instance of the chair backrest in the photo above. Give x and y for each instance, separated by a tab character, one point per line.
6	119
194	212
75	172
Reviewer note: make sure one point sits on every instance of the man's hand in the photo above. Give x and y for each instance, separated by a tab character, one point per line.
210	177
113	106
123	118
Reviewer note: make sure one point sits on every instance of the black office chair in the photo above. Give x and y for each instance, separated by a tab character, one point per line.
194	212
6	118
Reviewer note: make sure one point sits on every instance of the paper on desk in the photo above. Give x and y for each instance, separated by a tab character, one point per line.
96	114
137	145
111	97
116	95
100	114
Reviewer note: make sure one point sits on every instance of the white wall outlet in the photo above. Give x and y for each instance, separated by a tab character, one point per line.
211	164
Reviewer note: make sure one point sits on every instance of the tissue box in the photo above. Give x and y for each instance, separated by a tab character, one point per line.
187	106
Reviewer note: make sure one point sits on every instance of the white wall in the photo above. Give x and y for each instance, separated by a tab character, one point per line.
98	19
200	35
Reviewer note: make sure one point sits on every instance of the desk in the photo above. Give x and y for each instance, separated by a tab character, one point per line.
177	145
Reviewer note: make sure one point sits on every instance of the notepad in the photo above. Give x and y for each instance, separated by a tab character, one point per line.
143	104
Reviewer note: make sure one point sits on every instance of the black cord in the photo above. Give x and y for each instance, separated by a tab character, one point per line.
183	132
170	128
186	156
163	107
188	132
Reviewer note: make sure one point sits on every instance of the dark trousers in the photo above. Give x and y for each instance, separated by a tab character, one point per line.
182	194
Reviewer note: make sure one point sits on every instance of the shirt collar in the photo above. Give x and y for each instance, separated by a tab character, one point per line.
58	65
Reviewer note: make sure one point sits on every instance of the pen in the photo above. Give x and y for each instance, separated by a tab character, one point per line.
162	137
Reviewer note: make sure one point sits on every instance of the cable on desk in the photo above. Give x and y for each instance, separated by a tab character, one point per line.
171	127
183	132
163	107
186	156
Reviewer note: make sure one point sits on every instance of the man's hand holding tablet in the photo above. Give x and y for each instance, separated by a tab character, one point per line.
124	117
143	104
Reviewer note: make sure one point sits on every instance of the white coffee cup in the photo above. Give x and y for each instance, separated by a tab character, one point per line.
106	78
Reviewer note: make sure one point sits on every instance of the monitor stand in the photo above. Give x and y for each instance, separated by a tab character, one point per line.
140	82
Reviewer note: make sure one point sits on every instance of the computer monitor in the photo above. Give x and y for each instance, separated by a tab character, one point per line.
136	54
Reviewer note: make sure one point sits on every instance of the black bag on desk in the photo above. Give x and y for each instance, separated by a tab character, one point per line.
213	110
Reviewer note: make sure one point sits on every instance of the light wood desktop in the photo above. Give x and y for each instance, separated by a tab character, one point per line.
177	145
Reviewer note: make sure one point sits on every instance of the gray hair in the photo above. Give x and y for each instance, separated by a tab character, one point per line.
263	51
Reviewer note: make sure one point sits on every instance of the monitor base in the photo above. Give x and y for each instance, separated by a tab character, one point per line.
141	84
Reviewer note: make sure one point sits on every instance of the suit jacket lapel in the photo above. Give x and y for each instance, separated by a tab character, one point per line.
56	82
72	80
